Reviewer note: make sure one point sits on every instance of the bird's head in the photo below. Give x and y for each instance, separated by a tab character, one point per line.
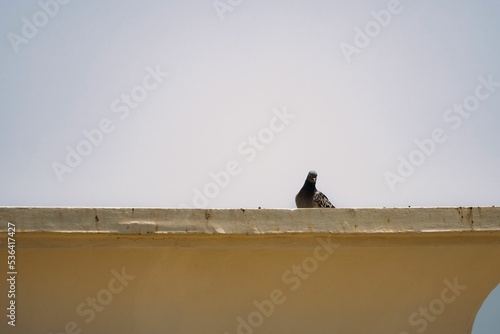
311	177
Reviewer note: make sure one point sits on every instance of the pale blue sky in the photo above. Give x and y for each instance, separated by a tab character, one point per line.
352	117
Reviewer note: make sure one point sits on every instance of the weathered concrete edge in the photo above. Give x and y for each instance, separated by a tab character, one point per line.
163	221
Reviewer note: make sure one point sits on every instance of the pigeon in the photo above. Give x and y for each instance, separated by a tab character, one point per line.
309	196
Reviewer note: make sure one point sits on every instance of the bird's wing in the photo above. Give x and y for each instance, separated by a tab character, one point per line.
322	201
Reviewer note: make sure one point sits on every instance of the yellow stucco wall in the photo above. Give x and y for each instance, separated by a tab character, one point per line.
232	271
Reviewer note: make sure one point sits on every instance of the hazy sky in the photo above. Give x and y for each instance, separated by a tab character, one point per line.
230	103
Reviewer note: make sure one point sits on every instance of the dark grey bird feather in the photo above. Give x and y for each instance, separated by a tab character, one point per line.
309	196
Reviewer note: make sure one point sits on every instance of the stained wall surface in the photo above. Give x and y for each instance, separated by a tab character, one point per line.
249	271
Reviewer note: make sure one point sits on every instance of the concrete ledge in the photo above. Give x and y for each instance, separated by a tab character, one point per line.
252	221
